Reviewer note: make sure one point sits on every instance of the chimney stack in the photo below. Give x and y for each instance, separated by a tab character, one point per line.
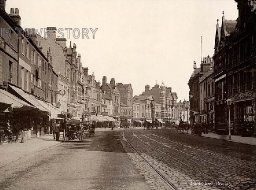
15	15
51	33
2	4
113	83
104	80
86	71
147	87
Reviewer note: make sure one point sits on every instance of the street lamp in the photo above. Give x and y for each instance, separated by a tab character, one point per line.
229	102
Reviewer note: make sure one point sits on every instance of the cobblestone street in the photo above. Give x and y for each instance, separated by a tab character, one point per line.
130	159
192	162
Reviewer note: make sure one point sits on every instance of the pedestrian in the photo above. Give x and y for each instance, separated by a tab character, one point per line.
54	128
57	130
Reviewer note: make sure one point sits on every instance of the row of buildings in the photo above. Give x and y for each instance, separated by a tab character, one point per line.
48	74
227	81
159	102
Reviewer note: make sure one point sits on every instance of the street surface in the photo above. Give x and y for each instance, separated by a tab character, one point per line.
135	159
96	163
192	162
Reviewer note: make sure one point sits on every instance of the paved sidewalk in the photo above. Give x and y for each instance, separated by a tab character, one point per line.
234	138
12	152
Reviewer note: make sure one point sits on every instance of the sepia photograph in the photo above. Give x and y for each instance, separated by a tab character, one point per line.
128	95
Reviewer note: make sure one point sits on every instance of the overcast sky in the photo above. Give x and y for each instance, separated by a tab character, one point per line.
138	41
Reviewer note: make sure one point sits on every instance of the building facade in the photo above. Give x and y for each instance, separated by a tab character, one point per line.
234	71
194	89
206	85
126	95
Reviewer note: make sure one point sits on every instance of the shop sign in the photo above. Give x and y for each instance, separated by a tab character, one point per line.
244	96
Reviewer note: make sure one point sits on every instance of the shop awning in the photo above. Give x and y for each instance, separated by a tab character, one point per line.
139	121
12	101
160	120
54	112
110	118
29	98
95	118
149	121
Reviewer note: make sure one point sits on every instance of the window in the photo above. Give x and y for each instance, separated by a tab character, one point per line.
22	78
35	56
39	83
23	46
27	50
32	78
32	56
45	67
39	61
10	71
27	81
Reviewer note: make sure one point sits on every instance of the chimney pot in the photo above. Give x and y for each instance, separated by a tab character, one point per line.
14	14
2	4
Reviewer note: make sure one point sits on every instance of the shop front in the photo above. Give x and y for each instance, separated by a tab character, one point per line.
244	114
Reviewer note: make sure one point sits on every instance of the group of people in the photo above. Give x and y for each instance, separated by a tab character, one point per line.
10	131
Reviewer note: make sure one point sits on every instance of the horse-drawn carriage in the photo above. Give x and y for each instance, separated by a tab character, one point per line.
73	130
183	127
77	130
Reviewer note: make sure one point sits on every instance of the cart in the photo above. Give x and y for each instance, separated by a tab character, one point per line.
73	130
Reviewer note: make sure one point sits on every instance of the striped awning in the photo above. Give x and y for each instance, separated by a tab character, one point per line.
29	98
12	101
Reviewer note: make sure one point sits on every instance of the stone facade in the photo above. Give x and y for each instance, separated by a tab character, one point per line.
164	104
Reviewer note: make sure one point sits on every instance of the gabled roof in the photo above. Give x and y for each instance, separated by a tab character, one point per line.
229	26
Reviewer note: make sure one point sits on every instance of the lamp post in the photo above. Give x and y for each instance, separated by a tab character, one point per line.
229	102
